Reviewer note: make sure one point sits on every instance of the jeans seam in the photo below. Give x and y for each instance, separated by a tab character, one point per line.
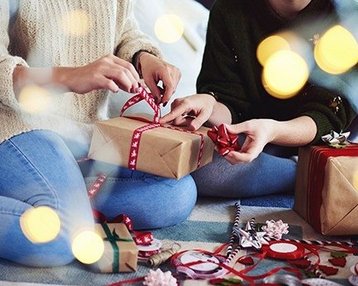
43	181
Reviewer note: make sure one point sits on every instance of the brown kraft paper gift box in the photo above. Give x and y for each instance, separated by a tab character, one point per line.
326	193
120	251
162	151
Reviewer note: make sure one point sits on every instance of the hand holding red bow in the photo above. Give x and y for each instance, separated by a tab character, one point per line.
224	140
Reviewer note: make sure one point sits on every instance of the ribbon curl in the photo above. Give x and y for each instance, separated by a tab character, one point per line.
224	140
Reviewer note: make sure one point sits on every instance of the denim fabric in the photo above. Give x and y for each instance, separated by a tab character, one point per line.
267	174
38	169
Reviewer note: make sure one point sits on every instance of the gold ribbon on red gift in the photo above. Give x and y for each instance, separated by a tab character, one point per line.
143	95
317	163
223	139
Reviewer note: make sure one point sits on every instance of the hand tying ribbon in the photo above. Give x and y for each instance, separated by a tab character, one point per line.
336	140
223	139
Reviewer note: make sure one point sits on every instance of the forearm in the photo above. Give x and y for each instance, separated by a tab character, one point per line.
296	132
57	76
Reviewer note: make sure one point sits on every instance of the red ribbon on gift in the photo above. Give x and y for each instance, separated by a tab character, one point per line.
140	237
224	140
143	95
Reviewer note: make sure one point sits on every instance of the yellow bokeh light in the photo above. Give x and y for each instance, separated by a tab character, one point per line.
169	28
284	74
88	247
76	23
34	99
269	46
40	225
337	51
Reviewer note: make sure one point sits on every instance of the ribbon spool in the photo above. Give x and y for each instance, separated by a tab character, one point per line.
146	251
284	250
198	264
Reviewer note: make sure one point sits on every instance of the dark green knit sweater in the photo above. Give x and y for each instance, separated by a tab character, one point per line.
231	70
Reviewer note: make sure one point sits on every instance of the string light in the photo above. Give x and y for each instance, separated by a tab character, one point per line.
88	247
76	23
269	46
169	28
337	51
34	99
284	74
40	225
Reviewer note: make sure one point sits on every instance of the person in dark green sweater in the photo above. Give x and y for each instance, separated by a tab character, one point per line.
230	91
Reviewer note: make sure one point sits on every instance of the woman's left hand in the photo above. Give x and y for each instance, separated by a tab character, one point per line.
154	70
258	133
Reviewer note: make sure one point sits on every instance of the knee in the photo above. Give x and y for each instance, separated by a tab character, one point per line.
173	206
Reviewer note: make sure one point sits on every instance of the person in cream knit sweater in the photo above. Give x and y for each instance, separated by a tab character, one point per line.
58	61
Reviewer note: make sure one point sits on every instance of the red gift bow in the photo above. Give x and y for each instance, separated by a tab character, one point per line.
140	237
223	139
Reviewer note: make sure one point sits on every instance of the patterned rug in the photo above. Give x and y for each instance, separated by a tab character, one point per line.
208	227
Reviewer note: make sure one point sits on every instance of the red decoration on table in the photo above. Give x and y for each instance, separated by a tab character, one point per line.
338	261
301	263
223	139
246	260
328	270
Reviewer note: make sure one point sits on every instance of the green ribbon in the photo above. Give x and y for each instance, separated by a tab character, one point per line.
113	237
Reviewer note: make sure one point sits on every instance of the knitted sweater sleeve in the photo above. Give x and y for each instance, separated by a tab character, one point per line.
7	62
219	73
132	39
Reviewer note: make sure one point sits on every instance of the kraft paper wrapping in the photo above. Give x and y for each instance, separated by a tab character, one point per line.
339	209
337	201
163	152
127	254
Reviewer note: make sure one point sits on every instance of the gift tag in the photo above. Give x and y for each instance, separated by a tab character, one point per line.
284	250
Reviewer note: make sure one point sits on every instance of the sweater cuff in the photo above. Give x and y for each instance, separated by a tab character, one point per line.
7	66
323	124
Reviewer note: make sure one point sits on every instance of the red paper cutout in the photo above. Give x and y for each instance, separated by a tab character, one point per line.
328	270
301	263
246	260
338	261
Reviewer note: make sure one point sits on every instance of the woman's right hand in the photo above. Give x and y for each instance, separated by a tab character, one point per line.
109	73
192	111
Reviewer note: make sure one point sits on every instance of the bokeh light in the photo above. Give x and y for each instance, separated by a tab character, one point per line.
34	99
337	51
169	28
269	46
284	74
76	23
40	225
88	247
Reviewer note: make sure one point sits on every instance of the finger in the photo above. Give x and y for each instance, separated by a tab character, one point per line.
154	89
182	121
238	157
123	77
176	112
109	84
200	119
169	87
128	66
236	128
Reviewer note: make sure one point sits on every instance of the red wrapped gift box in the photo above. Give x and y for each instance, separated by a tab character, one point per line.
326	193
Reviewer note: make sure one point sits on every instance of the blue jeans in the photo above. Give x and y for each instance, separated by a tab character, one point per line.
272	172
38	169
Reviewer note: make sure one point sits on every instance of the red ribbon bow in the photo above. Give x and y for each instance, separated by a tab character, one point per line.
223	139
140	237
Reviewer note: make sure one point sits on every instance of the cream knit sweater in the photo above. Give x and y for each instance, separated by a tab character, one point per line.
37	37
